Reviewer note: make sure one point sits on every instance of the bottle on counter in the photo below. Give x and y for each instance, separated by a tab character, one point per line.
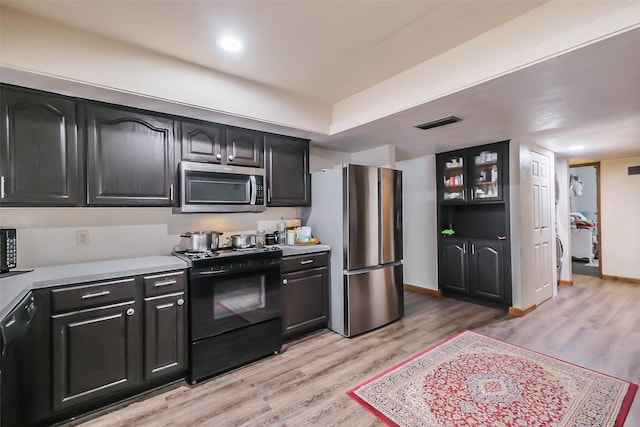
282	235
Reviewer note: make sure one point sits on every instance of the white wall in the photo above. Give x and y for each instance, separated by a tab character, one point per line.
419	222
326	159
48	56
47	236
384	156
551	29
562	217
620	218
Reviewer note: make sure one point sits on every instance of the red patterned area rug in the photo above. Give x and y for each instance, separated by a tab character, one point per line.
474	380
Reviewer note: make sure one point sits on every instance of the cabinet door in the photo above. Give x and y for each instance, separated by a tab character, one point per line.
39	150
164	335
305	301
452	177
130	160
244	147
486	173
201	142
452	270
487	277
95	353
287	164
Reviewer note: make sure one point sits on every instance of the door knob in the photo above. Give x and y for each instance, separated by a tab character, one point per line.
285	281
231	157
130	312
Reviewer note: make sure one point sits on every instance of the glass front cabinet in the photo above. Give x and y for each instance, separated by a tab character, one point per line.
472	175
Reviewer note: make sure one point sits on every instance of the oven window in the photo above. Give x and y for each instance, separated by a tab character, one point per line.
236	296
217	188
221	303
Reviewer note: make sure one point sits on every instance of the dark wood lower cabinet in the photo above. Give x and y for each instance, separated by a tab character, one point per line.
474	268
96	352
110	340
305	304
164	337
487	270
453	265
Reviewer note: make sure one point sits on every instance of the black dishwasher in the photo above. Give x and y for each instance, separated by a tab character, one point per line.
17	373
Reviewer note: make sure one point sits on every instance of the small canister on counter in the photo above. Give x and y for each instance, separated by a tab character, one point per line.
260	238
291	237
270	239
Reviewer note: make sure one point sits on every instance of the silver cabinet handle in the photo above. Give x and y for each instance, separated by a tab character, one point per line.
96	294
231	157
171	192
130	312
285	281
165	283
473	249
464	248
218	156
269	193
180	301
308	261
2	193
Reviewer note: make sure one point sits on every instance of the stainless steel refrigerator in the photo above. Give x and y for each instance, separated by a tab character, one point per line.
358	211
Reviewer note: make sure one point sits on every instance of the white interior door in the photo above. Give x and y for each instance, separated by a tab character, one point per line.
541	232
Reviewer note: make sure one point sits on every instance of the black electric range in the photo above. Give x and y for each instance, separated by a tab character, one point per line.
235	308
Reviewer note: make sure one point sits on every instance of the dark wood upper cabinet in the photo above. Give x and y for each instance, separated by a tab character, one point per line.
287	165
202	142
473	175
244	147
130	158
39	153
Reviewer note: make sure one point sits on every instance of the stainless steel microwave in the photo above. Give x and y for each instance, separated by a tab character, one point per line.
206	187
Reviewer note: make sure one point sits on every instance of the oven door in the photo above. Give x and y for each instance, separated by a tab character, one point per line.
225	301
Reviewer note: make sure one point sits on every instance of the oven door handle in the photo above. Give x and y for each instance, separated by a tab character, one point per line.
208	273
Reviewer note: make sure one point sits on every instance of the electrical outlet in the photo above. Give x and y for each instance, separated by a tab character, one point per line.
82	237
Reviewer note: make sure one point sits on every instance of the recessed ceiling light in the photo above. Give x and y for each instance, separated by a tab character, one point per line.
230	44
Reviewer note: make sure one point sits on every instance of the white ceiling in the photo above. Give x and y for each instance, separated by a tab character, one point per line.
329	50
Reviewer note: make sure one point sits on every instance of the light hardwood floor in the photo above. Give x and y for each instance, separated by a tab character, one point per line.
594	323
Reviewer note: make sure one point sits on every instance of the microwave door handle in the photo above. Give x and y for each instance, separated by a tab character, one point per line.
253	189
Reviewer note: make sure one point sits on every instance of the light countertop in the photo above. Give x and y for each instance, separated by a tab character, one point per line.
14	288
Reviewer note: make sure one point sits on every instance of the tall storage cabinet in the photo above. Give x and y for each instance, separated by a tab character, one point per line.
474	262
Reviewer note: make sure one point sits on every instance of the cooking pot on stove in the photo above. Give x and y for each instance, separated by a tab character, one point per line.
201	241
242	241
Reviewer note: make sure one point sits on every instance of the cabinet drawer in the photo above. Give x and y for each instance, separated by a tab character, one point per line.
164	283
93	294
304	262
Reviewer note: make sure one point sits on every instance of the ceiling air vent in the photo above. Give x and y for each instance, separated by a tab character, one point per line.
634	170
440	122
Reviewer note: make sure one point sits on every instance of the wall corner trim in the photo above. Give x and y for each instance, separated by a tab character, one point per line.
419	289
519	312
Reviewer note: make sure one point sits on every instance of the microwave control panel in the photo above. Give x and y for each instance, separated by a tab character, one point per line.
8	249
259	190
